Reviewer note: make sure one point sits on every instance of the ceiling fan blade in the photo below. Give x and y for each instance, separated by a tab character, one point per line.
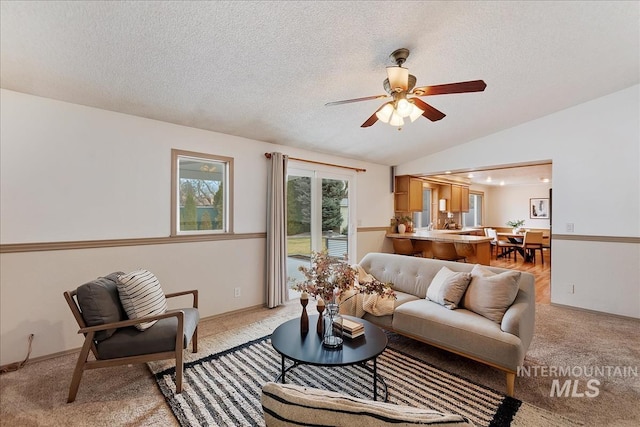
370	121
429	112
348	101
460	87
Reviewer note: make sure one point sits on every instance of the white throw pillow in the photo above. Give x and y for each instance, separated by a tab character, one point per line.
490	294
141	296
448	287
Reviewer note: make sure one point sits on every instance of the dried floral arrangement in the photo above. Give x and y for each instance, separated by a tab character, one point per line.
328	278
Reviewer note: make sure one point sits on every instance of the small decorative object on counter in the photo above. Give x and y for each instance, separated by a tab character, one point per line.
304	319
320	325
402	228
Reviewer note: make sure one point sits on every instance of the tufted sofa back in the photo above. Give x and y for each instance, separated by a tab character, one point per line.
410	274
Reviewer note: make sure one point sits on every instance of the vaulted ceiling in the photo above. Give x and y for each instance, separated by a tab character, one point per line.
264	70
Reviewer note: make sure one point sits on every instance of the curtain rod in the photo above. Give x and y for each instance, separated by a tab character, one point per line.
268	156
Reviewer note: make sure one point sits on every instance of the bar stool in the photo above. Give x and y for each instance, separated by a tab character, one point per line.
405	247
446	251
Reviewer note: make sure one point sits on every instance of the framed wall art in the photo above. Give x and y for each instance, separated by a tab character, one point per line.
539	208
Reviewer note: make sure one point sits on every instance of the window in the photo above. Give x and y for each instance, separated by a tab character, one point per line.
201	191
423	219
473	218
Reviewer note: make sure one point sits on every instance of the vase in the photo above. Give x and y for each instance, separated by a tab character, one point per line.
304	318
402	228
332	327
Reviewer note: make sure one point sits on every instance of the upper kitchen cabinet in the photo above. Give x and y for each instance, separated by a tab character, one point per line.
457	197
408	194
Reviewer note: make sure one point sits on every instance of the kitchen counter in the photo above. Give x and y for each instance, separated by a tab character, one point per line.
477	249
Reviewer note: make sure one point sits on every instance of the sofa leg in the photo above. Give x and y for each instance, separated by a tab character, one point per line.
511	383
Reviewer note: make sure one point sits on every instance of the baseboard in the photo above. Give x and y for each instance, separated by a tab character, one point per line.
76	350
619	316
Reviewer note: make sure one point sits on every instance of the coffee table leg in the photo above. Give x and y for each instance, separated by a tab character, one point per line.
282	370
375	379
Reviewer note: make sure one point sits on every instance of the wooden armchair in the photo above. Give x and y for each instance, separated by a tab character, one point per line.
113	339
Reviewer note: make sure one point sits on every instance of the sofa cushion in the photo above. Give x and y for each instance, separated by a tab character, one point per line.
141	296
293	405
99	303
490	294
448	287
461	331
385	321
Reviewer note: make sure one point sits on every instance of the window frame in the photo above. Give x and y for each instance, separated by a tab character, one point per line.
482	213
176	155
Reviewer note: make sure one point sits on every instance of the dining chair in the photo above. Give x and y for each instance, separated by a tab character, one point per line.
493	233
532	242
506	247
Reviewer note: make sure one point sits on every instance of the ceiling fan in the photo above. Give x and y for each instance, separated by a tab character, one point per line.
399	84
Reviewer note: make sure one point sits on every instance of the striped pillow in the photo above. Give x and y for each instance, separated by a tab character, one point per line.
293	405
141	296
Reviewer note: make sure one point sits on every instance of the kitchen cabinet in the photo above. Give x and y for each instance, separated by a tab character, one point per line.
457	197
408	194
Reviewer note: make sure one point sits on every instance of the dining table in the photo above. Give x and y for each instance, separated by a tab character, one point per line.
516	239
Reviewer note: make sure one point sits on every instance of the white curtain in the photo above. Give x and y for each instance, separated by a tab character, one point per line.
277	289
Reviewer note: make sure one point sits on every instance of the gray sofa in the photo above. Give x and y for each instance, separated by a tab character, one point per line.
501	345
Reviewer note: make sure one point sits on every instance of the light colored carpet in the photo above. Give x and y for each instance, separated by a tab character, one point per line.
224	389
128	396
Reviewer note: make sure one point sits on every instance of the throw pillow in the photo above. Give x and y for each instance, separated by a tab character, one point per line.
99	303
294	405
141	296
448	287
490	294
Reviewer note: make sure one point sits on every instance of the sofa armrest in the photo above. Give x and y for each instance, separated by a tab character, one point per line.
519	319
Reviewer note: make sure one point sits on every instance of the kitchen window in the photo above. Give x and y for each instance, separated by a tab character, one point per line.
473	218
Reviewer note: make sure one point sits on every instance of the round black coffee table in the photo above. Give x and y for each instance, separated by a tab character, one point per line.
307	349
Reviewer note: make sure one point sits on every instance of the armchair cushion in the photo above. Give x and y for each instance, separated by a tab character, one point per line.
141	296
159	338
99	303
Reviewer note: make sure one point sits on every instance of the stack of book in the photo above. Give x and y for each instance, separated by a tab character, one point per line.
352	329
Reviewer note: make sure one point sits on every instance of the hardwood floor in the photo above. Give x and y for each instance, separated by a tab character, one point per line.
542	273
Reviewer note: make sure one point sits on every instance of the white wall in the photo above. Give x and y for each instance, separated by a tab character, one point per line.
512	203
70	172
595	150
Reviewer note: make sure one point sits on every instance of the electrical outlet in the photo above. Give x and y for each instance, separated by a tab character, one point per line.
572	289
569	227
236	292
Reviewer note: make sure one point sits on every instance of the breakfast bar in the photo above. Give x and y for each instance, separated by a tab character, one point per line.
476	249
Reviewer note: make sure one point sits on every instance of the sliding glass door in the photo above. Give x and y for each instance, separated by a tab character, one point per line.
319	216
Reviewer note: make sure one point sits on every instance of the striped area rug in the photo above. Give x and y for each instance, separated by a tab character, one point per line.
224	389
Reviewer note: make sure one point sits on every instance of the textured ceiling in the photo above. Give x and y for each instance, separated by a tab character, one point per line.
264	70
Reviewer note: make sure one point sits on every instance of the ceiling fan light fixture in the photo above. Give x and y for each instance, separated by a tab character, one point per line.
385	113
398	78
403	107
415	113
396	120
